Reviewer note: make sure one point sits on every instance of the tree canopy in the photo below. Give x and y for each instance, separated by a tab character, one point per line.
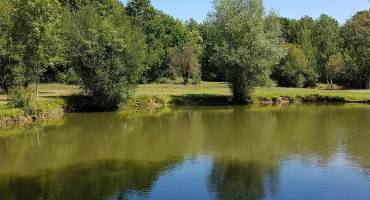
249	44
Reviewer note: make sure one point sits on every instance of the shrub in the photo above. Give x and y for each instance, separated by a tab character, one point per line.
70	77
185	62
295	69
37	107
20	97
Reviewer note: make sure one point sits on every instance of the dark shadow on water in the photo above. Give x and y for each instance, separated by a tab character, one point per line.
201	99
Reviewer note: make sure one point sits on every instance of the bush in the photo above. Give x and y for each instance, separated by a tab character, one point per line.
20	97
70	77
108	55
196	79
7	111
37	107
295	69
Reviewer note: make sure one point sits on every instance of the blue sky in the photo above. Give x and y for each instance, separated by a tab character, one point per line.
198	9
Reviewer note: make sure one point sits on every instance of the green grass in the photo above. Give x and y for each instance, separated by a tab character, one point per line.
346	95
10	112
208	89
207	93
49	91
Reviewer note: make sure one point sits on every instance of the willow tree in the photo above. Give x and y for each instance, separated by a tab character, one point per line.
249	44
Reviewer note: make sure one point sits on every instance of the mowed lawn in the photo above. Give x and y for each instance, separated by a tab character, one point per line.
219	88
206	88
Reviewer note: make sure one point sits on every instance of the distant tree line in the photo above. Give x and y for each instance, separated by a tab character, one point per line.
108	47
318	51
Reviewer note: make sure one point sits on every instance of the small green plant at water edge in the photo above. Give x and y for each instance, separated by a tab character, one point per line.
20	97
7	111
37	107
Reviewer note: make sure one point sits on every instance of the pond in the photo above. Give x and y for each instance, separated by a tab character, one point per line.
286	152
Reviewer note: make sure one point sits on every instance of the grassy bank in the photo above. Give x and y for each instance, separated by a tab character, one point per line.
219	92
40	110
209	90
153	96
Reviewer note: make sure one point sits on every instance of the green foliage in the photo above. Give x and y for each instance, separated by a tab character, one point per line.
11	65
289	28
327	42
305	38
108	54
249	44
211	71
20	97
338	54
69	77
36	28
356	33
7	111
185	61
162	33
335	66
38	107
23	99
295	69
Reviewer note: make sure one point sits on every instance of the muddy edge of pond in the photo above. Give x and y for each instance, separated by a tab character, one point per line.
152	104
28	119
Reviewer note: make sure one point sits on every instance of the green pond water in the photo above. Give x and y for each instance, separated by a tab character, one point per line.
293	152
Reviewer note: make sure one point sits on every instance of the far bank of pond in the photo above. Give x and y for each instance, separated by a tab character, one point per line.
59	98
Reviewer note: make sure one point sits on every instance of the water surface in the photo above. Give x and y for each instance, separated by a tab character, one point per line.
294	152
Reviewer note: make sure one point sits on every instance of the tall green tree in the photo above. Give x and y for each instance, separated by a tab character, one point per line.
305	39
335	66
249	44
37	30
194	36
108	54
356	34
211	71
11	63
162	33
327	43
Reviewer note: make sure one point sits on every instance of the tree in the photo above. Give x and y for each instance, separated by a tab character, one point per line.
334	67
249	44
327	42
305	40
162	33
185	61
289	28
194	36
295	69
108	54
211	71
356	34
37	31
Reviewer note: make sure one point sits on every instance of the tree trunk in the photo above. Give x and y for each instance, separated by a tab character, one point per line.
331	84
37	84
37	89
